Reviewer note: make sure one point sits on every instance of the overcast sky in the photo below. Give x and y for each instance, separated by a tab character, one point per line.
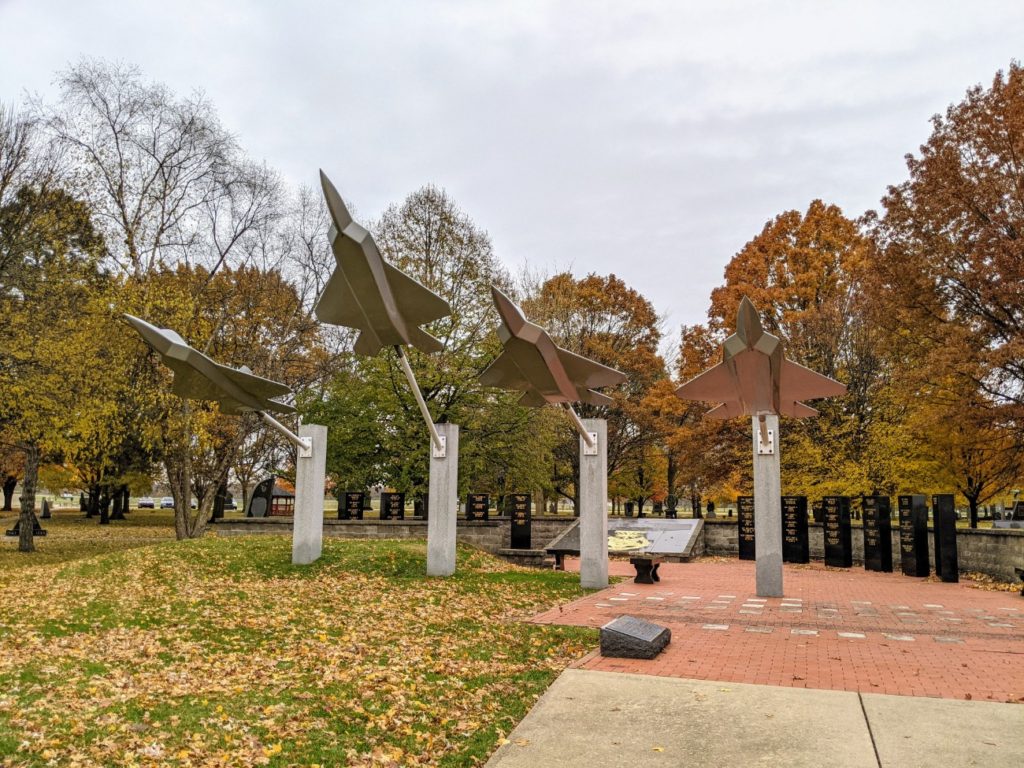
647	139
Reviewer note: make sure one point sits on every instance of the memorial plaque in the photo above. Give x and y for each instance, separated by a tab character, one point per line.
220	501
630	638
351	507
877	519
947	566
914	535
745	526
260	501
838	537
392	506
629	509
421	506
476	506
46	511
795	543
519	508
659	508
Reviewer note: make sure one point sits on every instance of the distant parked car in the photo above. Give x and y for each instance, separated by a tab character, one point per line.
146	503
167	502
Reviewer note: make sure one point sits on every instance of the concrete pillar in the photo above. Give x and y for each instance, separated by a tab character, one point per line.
767	510
308	523
593	493
443	504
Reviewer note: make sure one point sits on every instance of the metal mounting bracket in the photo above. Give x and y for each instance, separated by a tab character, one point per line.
439	451
766	449
590	447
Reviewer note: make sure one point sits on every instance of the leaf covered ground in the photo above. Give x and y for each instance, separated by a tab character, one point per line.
218	652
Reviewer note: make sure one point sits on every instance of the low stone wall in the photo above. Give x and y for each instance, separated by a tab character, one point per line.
994	552
490	536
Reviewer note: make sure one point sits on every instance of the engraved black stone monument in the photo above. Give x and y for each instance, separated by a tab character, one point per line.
914	535
259	502
745	526
947	566
838	537
477	506
629	509
795	543
877	519
392	506
671	507
351	507
630	638
519	508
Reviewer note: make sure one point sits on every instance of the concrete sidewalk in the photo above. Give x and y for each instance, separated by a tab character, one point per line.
595	719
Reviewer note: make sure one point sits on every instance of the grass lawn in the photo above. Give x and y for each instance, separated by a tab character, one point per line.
219	652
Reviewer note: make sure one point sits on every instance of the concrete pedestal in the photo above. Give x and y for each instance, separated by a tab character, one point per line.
767	511
443	504
308	526
593	492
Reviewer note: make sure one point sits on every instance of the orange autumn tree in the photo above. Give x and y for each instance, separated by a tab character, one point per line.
949	266
804	273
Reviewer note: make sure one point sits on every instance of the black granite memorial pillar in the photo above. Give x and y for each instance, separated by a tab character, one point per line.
351	507
477	506
877	518
947	565
392	506
914	535
838	537
745	526
795	543
519	508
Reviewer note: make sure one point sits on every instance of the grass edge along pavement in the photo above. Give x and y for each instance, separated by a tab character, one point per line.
220	652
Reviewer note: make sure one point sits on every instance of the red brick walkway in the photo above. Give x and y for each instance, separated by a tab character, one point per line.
838	629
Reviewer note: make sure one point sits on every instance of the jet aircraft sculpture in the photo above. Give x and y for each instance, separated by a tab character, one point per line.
197	377
388	307
239	390
368	294
530	362
383	303
544	372
755	379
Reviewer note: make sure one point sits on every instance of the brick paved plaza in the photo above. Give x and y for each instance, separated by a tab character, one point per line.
841	629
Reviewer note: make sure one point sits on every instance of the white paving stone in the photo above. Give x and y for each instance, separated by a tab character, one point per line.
803	632
716	627
852	635
762	630
901	638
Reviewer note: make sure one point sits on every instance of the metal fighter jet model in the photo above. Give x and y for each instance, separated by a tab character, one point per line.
544	372
197	377
370	295
386	305
755	379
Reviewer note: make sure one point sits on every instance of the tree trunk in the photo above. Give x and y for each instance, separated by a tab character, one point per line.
670	475
10	483
26	529
105	505
973	502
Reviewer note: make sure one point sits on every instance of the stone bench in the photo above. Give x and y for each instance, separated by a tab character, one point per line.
646	568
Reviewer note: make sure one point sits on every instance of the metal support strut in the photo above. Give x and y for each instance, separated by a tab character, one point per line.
435	438
588	437
304	444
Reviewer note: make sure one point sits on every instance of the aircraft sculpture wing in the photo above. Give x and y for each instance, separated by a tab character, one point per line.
710	386
587	373
504	373
418	303
799	383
